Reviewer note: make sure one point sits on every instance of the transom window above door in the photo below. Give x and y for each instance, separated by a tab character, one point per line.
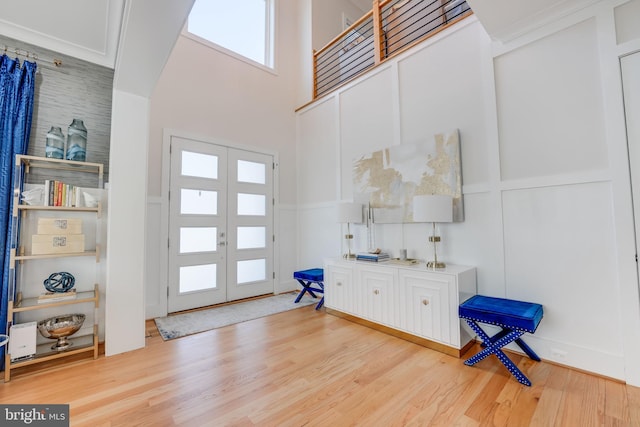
241	28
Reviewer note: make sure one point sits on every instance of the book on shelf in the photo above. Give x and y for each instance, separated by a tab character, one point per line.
375	257
57	193
48	297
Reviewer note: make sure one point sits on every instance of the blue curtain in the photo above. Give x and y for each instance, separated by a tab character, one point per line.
17	86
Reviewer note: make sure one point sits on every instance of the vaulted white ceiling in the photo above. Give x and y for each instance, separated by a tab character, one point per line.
506	19
134	37
91	30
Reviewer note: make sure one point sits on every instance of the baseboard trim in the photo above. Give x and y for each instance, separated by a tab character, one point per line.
433	345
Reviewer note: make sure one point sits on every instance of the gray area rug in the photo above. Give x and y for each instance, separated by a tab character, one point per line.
180	325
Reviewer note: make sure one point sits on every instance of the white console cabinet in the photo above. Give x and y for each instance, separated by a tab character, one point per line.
409	301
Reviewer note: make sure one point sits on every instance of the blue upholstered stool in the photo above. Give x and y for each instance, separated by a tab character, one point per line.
308	278
514	317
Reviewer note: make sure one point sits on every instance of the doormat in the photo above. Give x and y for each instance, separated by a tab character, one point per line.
180	325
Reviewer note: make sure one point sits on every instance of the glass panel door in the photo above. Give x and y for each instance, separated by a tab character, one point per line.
197	220
250	224
220	224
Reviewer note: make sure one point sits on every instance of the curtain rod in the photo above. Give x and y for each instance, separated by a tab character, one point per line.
31	55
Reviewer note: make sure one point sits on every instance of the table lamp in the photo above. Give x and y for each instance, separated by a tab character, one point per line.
433	208
349	213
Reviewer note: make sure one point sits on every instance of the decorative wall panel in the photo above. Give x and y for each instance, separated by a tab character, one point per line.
366	121
551	117
317	165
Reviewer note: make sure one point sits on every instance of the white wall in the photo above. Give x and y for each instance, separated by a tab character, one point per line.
204	92
547	201
328	18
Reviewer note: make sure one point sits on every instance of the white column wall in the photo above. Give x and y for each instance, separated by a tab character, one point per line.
149	30
547	202
127	194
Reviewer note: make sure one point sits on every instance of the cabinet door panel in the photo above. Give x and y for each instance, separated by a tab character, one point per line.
426	302
424	312
338	292
377	292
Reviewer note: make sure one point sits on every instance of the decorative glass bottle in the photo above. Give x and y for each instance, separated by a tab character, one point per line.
77	141
54	145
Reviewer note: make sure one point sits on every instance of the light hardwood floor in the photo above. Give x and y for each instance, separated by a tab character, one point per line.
309	368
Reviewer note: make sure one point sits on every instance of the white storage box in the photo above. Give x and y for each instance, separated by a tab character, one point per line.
46	244
59	226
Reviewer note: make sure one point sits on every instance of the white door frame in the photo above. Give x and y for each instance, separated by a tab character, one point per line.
167	134
629	289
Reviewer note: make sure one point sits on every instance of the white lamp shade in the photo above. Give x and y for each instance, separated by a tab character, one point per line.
350	213
433	208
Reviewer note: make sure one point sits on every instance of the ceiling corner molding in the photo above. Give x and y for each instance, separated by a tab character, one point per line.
98	46
506	20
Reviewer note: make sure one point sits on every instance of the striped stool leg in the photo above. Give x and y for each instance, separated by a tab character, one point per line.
321	303
495	348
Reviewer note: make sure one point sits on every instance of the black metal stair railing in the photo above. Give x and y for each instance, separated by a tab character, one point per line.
349	56
390	28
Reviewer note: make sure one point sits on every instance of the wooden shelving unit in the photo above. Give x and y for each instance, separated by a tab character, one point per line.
82	343
87	294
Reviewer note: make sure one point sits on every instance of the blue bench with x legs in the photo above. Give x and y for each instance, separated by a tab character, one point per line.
515	318
309	278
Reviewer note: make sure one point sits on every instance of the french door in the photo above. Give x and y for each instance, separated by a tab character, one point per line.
220	224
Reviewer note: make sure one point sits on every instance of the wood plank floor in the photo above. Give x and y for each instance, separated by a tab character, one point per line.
308	368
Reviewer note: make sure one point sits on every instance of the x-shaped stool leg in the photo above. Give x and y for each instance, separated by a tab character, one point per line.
307	287
493	346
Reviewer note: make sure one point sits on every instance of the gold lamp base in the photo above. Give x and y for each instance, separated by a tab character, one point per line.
435	240
348	237
436	264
